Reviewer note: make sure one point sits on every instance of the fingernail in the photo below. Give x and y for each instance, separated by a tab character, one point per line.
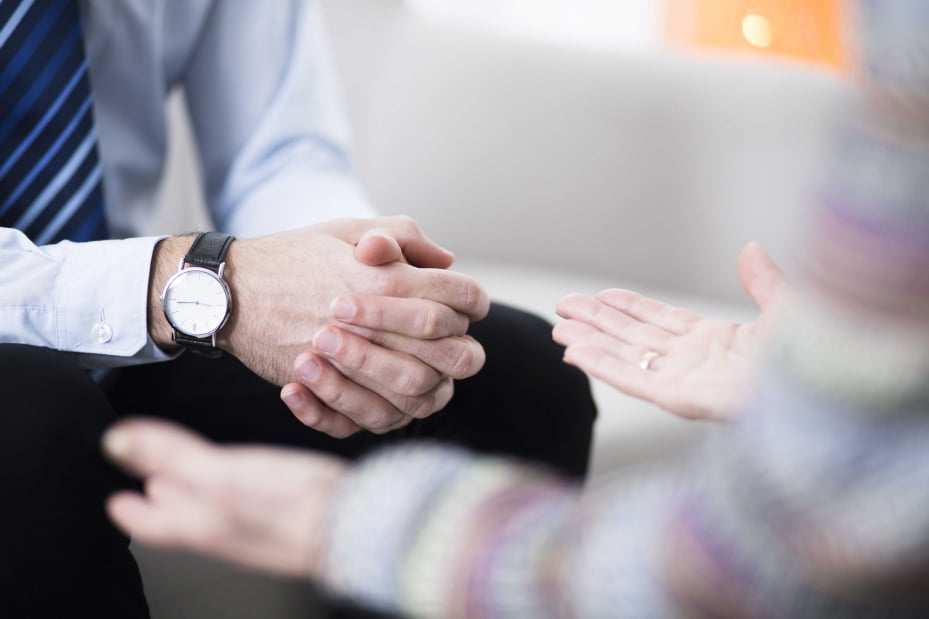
292	397
309	371
343	309
327	341
116	443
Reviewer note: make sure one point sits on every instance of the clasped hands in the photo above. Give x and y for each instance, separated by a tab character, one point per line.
359	320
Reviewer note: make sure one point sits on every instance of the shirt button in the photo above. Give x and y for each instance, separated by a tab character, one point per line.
102	332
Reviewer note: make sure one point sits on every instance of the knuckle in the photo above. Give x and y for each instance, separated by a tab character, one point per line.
381	422
334	395
308	416
461	324
462	362
407	224
430	324
416	382
442	394
422	406
344	430
356	356
470	293
367	312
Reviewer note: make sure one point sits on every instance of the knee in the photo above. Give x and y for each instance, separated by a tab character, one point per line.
53	414
519	344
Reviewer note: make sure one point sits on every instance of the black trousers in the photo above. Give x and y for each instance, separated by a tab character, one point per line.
61	557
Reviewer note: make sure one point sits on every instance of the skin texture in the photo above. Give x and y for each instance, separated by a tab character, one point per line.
702	364
393	356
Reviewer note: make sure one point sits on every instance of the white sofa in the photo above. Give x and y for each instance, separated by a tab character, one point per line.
551	170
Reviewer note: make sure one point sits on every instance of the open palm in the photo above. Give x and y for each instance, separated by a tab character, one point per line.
702	364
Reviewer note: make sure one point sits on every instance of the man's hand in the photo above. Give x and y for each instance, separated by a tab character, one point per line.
434	335
259	507
701	365
407	343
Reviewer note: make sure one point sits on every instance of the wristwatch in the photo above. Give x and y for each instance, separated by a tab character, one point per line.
196	300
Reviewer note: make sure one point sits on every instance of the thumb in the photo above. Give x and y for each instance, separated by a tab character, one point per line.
759	275
377	247
147	446
419	250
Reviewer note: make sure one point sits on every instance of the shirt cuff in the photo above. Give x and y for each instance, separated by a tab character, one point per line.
103	304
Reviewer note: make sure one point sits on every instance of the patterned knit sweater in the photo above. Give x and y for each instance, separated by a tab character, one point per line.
815	503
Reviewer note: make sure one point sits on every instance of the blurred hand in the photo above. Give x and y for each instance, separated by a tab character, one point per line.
702	364
259	507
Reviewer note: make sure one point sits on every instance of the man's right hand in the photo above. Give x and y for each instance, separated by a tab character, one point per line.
285	287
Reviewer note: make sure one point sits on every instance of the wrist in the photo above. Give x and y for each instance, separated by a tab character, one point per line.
189	295
168	252
225	337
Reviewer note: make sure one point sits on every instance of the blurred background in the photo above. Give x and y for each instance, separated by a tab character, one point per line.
562	146
643	140
809	30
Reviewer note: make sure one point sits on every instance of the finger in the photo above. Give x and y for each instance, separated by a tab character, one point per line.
137	518
615	370
422	406
314	414
759	275
398	372
578	334
419	249
458	357
412	406
418	318
377	247
615	322
168	514
344	396
145	446
571	331
673	319
456	290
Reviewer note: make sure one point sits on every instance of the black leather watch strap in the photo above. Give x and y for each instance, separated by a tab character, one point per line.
209	249
202	345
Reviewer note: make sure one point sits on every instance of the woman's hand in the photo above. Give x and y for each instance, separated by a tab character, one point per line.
261	507
692	366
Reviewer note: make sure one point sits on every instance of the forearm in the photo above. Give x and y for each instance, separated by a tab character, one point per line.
432	531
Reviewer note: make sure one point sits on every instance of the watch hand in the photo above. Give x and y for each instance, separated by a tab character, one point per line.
197	303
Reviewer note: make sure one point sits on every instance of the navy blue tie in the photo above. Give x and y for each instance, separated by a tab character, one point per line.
50	175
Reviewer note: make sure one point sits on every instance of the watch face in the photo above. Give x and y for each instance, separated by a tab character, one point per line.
196	302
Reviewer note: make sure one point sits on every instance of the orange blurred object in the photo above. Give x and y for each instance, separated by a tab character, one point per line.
805	29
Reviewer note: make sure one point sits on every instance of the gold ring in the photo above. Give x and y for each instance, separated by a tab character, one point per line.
647	359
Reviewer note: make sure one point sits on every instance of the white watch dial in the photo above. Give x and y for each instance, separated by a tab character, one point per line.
196	302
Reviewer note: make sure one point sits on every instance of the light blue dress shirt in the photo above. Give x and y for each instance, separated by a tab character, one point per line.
270	135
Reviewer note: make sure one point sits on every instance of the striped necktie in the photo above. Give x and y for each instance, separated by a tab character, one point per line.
50	175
